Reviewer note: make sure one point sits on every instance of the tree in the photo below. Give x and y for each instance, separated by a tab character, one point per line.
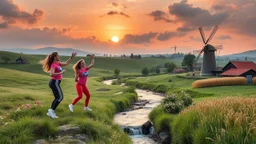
171	66
166	64
131	56
5	59
139	56
152	70
158	70
145	71
188	61
117	72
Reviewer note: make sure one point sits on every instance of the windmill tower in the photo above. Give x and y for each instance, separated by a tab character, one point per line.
208	63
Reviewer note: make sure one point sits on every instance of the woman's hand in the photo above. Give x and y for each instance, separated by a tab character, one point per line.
92	56
63	71
73	54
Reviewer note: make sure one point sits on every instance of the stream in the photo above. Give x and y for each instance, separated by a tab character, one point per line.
132	121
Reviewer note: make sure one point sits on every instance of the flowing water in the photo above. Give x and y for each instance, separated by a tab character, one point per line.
132	121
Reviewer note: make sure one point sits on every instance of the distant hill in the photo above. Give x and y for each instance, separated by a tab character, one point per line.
48	50
248	54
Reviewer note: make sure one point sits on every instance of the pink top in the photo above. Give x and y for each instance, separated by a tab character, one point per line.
57	69
83	75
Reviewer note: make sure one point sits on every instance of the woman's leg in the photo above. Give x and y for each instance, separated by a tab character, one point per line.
88	95
57	91
79	89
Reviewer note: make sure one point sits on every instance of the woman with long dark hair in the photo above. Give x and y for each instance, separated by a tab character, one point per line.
53	66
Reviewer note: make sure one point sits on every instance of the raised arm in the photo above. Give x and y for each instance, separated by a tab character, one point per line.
92	62
69	60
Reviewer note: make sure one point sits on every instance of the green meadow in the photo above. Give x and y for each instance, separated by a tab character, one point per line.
25	98
223	114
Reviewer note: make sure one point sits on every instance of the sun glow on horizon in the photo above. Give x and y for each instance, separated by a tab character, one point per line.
115	39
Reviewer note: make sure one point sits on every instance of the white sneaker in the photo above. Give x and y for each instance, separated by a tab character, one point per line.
55	116
52	117
71	107
51	113
87	109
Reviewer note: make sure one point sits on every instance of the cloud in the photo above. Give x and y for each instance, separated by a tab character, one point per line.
224	37
116	5
3	25
12	14
139	39
168	35
160	15
242	16
111	13
191	16
185	29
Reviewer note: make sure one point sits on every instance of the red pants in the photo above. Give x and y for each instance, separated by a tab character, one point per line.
80	90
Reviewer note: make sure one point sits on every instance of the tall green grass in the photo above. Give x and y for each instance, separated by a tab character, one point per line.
24	125
228	120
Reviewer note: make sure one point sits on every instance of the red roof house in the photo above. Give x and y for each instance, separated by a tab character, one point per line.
239	68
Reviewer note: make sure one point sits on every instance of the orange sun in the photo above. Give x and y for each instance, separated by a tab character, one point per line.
115	39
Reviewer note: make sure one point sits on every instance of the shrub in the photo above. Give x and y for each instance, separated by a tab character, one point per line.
175	102
117	72
174	107
225	81
145	71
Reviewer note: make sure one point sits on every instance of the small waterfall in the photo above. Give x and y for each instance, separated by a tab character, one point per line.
137	130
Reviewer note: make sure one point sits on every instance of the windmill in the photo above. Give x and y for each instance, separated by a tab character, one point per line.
208	63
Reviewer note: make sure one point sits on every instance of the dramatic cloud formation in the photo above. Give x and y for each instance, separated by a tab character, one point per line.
242	14
11	14
192	17
139	39
159	15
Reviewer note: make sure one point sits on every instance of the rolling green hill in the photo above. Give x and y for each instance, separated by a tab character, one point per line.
104	66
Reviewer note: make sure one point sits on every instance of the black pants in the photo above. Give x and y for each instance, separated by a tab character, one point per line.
56	89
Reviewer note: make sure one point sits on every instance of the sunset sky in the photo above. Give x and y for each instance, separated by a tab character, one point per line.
142	26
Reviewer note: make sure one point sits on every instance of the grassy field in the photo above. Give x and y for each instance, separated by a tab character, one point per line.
181	83
25	98
18	89
104	66
222	114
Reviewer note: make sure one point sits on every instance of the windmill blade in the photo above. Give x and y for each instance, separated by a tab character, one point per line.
198	56
202	33
212	34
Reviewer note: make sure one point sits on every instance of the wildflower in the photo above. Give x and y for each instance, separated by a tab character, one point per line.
27	106
18	109
38	103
